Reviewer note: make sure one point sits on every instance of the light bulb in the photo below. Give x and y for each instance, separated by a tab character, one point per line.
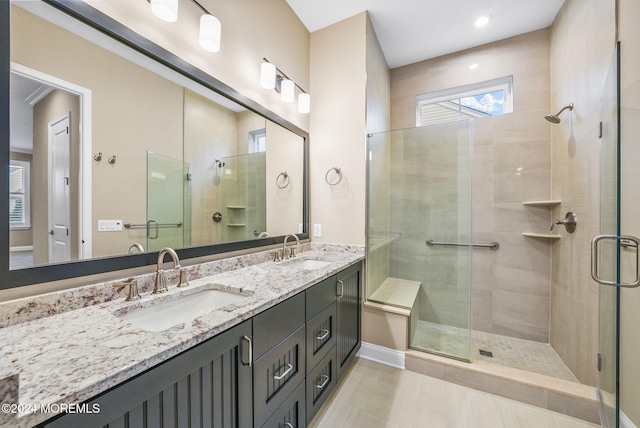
482	21
167	10
268	75
304	103
210	31
286	91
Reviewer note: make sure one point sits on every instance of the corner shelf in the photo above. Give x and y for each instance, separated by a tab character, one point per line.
541	235
549	203
236	207
236	225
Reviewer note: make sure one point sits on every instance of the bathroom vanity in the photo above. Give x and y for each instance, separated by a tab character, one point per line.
270	360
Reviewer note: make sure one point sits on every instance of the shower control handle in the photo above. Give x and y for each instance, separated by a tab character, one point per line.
569	222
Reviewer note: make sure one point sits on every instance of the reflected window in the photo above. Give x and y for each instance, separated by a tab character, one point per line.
489	98
258	141
19	212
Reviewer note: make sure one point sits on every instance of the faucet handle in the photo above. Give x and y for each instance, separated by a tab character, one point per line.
133	289
292	251
183	278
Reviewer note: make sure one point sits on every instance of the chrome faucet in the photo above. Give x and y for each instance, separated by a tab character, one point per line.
292	251
161	278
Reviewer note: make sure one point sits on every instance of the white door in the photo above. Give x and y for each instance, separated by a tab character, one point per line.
59	194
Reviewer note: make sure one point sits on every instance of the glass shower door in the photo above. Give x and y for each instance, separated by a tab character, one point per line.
606	253
419	231
165	202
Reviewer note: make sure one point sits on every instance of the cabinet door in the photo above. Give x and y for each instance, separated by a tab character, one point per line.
348	314
209	385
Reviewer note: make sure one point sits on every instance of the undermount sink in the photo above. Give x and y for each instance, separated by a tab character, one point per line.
182	309
307	264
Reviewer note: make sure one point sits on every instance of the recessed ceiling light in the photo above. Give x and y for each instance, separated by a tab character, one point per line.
473	66
482	20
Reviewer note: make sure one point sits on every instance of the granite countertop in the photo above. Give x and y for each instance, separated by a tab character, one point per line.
71	356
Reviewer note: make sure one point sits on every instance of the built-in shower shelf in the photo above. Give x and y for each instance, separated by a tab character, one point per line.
236	207
236	225
549	203
541	235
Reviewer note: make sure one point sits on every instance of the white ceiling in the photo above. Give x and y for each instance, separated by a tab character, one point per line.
414	30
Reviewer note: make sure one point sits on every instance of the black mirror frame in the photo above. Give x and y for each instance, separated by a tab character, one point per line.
101	22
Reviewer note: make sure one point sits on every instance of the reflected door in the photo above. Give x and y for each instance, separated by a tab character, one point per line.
59	194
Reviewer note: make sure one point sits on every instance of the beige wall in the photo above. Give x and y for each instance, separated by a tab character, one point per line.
337	130
629	35
510	287
121	127
284	206
210	133
582	47
251	30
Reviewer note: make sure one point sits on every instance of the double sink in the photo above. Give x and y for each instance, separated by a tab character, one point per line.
162	314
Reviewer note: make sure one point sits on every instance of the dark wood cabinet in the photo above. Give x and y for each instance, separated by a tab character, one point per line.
209	385
300	348
348	316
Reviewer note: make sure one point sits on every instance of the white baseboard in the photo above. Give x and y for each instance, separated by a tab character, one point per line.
382	355
625	422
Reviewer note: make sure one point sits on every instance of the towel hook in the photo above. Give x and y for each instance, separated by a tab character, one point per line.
338	172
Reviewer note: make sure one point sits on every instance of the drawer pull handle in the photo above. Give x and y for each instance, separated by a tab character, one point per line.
288	425
324	334
250	351
284	373
324	382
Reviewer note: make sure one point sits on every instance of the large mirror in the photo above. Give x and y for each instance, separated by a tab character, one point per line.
112	153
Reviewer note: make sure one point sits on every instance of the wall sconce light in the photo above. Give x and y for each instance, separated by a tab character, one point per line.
210	31
271	77
167	10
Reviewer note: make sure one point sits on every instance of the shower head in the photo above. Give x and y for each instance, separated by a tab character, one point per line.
555	118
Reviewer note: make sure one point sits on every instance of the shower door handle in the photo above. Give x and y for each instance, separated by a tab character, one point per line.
622	240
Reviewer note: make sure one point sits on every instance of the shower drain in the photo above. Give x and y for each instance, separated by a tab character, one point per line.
486	353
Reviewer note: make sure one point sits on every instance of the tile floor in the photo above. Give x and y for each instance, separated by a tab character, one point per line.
528	355
372	395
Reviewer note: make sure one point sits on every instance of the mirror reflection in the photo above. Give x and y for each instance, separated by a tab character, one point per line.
109	149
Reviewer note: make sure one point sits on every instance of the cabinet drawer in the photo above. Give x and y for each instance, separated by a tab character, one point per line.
291	413
320	382
277	374
321	335
273	325
320	296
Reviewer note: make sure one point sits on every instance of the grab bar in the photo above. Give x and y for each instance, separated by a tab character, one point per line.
152	224
155	224
491	245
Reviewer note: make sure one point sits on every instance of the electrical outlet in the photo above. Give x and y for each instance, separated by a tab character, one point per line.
317	230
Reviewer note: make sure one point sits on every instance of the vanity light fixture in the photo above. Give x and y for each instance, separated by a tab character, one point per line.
271	77
210	31
167	10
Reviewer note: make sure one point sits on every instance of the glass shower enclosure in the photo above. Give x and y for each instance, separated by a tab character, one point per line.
419	232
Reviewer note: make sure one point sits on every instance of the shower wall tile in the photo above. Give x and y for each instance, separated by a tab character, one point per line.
511	163
582	46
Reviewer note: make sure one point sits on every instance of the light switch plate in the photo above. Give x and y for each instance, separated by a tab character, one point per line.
109	225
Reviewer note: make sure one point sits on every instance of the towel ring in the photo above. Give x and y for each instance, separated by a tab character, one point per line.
285	180
338	172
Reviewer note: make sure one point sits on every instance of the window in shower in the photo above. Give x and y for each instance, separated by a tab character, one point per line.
488	98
